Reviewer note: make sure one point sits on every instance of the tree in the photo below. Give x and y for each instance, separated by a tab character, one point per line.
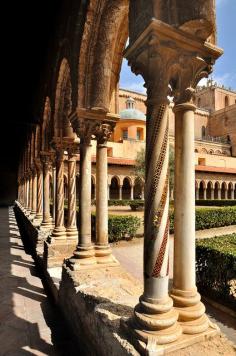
140	165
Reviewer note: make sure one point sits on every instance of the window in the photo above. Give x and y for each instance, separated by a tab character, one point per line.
203	132
139	135
226	101
130	103
201	161
125	134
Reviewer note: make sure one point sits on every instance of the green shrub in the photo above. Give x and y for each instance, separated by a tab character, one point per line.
136	205
216	202
216	268
120	227
210	218
124	202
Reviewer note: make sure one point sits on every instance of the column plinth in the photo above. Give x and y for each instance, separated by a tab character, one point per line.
184	293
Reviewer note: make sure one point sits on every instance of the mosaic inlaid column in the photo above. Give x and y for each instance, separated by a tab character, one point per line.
28	194
71	228
184	293
59	231
34	193
39	210
47	219
102	247
54	182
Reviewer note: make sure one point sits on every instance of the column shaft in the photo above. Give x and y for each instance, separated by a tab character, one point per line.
71	229
47	220
39	213
34	193
184	292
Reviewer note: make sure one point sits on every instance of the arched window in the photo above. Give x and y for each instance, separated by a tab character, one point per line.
130	103
226	101
203	131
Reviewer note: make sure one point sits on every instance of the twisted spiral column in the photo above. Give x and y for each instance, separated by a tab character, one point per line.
154	315
59	232
71	229
34	193
47	220
39	211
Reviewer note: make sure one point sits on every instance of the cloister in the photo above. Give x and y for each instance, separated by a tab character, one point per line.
173	47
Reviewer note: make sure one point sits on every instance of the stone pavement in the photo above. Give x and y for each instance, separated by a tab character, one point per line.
29	323
130	255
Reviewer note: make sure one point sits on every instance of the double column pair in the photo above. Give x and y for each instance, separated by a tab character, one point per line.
86	253
171	69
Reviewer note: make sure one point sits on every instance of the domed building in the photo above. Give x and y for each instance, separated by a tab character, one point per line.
132	124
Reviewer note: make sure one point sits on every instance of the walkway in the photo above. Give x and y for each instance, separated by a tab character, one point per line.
130	255
28	321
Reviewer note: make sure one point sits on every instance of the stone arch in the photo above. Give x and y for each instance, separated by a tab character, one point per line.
196	150
46	127
209	189
218	152
63	102
138	188
104	38
211	152
223	190
230	190
216	189
114	187
37	141
202	187
204	150
126	188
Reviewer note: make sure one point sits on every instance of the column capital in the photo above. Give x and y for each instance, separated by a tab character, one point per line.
103	132
171	61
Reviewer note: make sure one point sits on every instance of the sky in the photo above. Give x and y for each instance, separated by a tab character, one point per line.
224	72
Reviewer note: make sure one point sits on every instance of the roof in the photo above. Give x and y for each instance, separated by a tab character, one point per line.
132	114
215	169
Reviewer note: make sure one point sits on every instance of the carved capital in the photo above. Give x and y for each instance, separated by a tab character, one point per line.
103	132
171	62
85	130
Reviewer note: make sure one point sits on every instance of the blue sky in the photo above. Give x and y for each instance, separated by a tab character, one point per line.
224	69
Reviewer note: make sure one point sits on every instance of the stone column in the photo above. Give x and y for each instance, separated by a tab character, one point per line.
102	247
84	253
212	194
34	193
219	194
71	229
54	192
132	192
59	231
47	219
232	193
120	192
108	191
204	193
30	192
197	193
184	293
171	65
39	210
142	193
28	195
226	194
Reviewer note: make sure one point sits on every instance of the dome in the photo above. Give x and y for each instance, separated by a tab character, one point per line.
132	114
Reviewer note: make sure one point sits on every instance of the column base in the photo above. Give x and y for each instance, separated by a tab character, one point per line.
104	255
56	252
72	234
82	256
151	346
59	234
191	310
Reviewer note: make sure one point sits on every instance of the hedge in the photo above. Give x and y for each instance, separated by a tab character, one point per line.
216	202
211	218
216	268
